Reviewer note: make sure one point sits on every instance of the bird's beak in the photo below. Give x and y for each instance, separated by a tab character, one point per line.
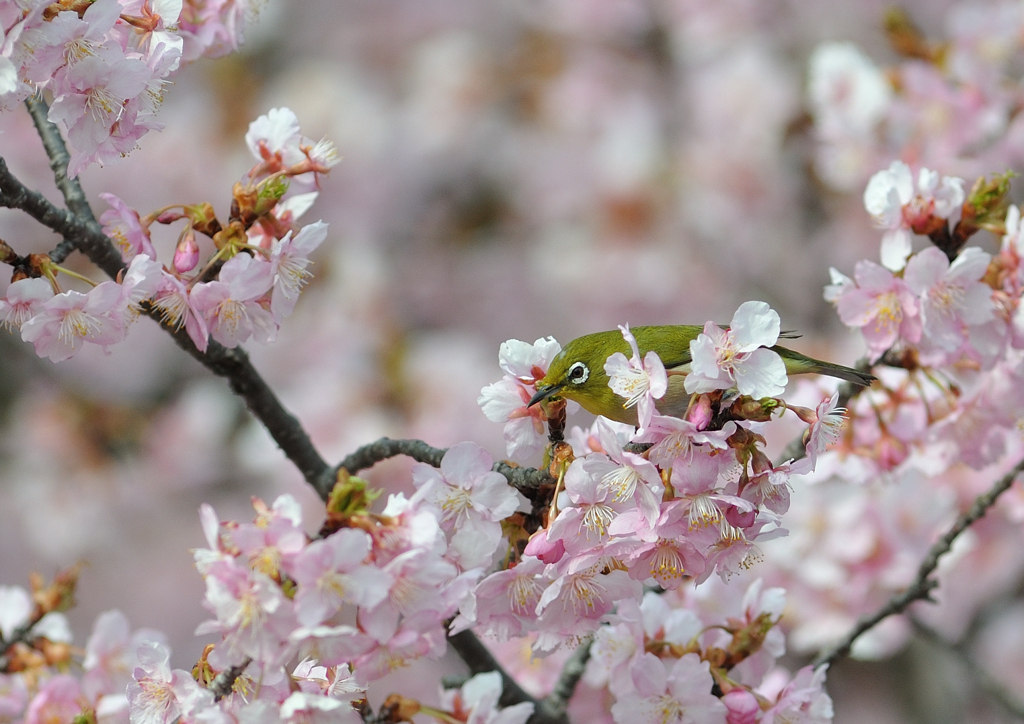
544	393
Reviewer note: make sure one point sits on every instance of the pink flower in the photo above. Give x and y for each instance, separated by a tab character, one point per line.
308	708
140	281
470	499
68	38
574	603
506	400
173	301
158	695
330	572
629	477
111	654
25	299
892	203
641	382
289	259
951	297
92	106
123	225
231	305
69	319
680	696
882	306
826	429
678	440
584	525
252	614
804	699
738	356
503	603
58	700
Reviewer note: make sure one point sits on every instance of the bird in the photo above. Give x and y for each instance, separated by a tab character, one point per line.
577	372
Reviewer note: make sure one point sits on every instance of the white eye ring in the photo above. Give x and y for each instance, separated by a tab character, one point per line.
578	373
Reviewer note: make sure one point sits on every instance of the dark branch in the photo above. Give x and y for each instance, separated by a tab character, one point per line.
553	708
57	152
526	480
480	661
922	585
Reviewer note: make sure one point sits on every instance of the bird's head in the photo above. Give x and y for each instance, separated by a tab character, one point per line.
577	374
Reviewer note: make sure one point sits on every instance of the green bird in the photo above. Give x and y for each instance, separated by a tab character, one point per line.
577	372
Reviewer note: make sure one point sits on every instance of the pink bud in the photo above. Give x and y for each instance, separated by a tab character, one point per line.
186	254
542	548
742	707
700	413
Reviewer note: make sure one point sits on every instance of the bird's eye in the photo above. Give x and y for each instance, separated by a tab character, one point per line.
578	373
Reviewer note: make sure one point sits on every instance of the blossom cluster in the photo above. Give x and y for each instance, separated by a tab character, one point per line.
105	63
668	503
125	676
243	291
954	309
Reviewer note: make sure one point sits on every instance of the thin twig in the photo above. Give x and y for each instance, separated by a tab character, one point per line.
526	480
985	681
922	585
70	188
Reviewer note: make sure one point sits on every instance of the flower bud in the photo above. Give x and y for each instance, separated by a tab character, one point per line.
186	254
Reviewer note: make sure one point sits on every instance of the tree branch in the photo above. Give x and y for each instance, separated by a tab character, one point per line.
922	585
526	480
480	661
554	706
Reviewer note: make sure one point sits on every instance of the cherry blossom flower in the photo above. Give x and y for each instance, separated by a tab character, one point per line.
303	707
504	602
158	695
174	303
506	400
69	38
111	654
675	440
804	699
231	305
67	320
15	609
738	356
289	259
92	107
882	306
951	297
680	696
827	427
123	225
641	382
24	300
58	699
573	604
252	614
628	476
331	571
891	200
471	501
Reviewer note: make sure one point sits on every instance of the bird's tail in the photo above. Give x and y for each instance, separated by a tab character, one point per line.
797	363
